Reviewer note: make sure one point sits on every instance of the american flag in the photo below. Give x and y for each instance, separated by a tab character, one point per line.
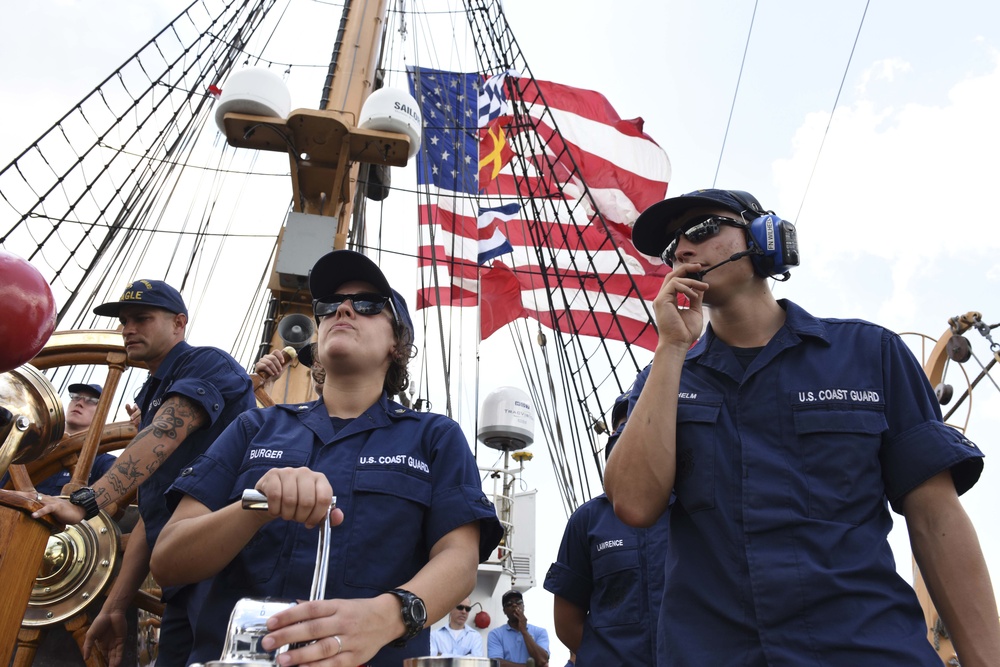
575	158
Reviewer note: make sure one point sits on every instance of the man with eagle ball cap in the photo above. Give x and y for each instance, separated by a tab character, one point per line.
191	395
785	439
412	522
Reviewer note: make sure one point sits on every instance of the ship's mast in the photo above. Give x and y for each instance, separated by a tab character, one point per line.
325	149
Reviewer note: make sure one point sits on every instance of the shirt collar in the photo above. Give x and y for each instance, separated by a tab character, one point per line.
798	323
176	351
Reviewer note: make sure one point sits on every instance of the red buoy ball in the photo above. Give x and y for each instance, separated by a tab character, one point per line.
27	311
482	620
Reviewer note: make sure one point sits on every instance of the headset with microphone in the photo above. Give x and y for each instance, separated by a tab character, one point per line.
772	243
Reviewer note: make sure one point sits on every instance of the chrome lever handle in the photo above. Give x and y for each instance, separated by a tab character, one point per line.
255	500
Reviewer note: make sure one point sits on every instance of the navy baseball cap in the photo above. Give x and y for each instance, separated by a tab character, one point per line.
340	266
154	293
94	388
655	227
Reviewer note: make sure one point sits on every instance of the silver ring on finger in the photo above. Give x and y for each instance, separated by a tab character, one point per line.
38	497
340	645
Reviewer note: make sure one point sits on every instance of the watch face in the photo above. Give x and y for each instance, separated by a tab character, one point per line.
419	611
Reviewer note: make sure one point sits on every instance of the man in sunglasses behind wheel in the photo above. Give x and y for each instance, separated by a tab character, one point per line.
455	639
785	439
412	520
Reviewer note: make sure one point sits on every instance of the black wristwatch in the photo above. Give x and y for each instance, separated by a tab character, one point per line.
85	498
414	615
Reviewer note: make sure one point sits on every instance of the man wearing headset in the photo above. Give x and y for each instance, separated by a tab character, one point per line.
785	439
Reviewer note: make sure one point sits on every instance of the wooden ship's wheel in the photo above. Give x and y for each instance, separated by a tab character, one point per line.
946	364
75	566
64	574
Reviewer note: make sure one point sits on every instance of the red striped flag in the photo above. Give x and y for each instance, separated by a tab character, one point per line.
577	272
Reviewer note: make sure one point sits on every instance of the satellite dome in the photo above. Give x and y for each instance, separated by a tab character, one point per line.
254	90
393	110
507	420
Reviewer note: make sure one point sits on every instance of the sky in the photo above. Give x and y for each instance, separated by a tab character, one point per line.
878	143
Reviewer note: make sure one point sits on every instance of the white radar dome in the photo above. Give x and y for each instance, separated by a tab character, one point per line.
507	420
393	110
254	90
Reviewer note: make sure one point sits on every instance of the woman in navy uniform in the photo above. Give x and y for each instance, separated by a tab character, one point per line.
412	520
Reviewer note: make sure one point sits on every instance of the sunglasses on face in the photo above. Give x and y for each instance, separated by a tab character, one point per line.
698	232
89	400
462	607
365	303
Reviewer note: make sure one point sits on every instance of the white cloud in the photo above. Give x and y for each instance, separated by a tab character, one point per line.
882	70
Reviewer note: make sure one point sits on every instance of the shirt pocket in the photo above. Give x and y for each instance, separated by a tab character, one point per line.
840	454
387	540
617	591
696	441
259	559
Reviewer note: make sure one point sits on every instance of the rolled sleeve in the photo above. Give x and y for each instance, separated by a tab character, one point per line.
457	497
209	379
571	575
918	444
915	456
208	479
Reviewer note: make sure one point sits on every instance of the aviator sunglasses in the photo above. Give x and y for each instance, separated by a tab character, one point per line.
462	607
365	303
698	232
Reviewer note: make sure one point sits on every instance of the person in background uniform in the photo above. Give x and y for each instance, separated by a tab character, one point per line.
83	400
191	395
58	646
412	520
786	438
274	365
608	579
455	639
517	640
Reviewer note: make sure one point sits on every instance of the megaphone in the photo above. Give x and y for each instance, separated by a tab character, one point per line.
296	330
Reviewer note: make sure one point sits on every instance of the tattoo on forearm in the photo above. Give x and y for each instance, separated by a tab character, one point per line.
176	419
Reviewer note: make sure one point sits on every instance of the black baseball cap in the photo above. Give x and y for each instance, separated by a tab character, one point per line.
141	292
511	595
656	226
340	266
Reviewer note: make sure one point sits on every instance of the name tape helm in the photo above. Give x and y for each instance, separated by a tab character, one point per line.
772	241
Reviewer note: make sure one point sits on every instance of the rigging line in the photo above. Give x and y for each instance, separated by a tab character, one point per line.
732	107
152	230
273	31
201	167
829	120
100	92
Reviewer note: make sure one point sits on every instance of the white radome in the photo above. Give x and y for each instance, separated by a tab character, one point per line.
393	110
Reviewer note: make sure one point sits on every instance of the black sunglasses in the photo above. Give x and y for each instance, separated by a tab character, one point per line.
462	607
365	303
698	232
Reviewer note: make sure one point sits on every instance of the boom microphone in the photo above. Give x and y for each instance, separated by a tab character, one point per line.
700	275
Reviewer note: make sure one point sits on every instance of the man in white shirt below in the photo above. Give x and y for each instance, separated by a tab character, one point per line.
455	639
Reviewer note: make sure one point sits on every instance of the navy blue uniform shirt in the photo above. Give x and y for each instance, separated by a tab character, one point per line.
211	379
614	573
785	473
403	479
